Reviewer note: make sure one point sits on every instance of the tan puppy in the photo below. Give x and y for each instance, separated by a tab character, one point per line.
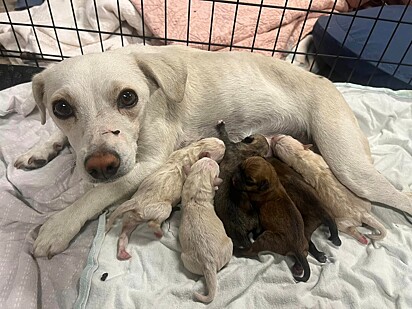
149	101
349	210
161	191
280	220
205	246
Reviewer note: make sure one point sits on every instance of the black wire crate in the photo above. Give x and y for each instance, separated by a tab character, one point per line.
365	42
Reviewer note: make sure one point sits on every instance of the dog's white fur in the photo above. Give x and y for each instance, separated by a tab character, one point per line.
205	246
161	191
182	93
348	210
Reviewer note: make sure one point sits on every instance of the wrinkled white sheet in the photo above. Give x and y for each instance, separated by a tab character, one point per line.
373	276
356	276
76	14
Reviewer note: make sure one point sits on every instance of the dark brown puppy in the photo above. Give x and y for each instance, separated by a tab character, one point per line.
238	221
306	199
280	220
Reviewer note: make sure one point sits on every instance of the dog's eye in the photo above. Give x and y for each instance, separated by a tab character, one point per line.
127	99
62	109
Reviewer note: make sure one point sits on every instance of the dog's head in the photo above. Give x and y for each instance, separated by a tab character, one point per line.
254	175
285	146
100	101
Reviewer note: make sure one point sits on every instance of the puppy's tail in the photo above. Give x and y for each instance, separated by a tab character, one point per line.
126	206
371	221
210	274
302	260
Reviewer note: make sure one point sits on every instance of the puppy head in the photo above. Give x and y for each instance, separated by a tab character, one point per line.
100	101
254	175
211	147
254	145
285	146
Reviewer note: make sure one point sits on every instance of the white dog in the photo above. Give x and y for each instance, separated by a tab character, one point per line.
205	246
161	191
126	110
348	210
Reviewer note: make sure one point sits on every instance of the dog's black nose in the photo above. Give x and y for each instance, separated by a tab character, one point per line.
102	165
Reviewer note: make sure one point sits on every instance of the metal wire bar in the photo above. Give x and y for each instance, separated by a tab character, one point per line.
257	25
75	25
387	45
12	26
98	25
280	27
165	22
120	22
188	23
35	33
400	61
366	43
323	34
55	30
234	25
344	39
143	26
211	26
301	30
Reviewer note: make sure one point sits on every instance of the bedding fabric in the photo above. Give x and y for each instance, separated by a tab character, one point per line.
378	275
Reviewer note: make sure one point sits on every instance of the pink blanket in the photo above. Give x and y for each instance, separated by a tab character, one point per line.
246	19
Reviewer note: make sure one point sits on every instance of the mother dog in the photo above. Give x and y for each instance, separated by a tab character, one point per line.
125	111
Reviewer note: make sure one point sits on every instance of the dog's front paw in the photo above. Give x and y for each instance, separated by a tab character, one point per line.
55	235
38	156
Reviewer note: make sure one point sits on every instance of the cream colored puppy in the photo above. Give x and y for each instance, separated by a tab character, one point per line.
205	246
161	191
125	111
349	210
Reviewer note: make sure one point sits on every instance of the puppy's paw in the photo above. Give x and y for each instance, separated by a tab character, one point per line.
38	156
123	255
156	228
55	235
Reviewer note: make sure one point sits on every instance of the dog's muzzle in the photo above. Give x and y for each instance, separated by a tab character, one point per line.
102	165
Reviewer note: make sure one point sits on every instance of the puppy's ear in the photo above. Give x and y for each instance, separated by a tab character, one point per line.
264	185
307	146
38	94
204	154
169	73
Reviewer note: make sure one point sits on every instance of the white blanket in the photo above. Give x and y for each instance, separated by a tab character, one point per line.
48	41
378	275
373	276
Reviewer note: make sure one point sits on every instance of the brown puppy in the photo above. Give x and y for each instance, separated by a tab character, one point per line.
307	200
280	220
238	221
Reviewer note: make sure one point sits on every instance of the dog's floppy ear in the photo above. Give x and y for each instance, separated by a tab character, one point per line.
204	154
168	73
38	94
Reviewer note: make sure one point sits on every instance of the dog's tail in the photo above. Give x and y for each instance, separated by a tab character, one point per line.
302	260
126	206
374	223
221	130
210	274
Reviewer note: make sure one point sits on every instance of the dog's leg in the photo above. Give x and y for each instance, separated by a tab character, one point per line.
318	255
343	146
43	152
57	232
129	225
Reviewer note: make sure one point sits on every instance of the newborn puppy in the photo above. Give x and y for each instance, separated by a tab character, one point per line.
161	191
238	221
280	220
205	245
306	199
348	210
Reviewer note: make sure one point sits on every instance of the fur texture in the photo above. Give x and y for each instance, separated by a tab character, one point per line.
307	200
348	210
281	222
205	246
149	101
238	221
161	191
